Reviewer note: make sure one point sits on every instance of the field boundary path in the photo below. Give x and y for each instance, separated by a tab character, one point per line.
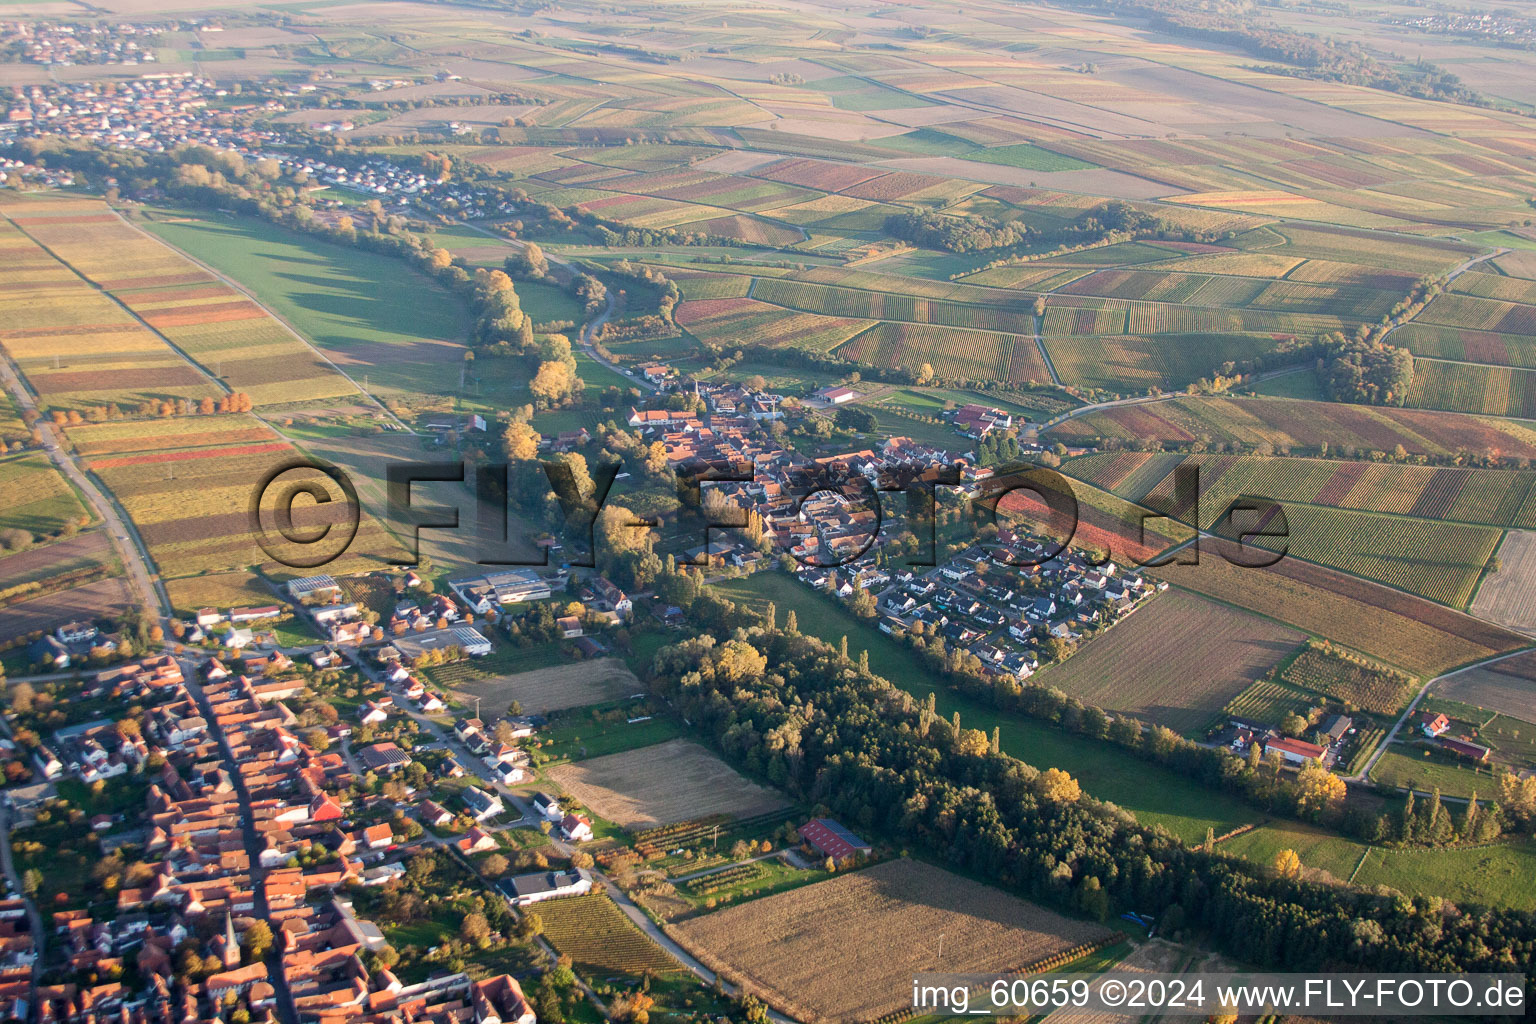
237	286
120	304
1044	354
125	538
1450	276
1084	410
1363	775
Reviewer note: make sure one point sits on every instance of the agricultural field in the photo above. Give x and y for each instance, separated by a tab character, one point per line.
1398	629
1508	596
1459	344
667	782
599	939
1305	425
1438	560
1498	875
1494	497
555	688
1176	661
1507	687
1002	315
223	590
12	429
59	565
883	922
76	346
952	352
35	497
1418	766
230	336
404	339
1349	679
192	507
1467	387
103	599
1268	701
745	321
167	434
1131	363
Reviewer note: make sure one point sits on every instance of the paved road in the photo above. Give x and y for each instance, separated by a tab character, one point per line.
39	936
120	530
1149	399
586	336
1453	275
287	1010
1365	772
514	799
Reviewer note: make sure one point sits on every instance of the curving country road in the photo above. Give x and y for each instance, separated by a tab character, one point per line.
1363	775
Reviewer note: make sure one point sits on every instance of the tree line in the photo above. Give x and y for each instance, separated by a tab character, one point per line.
1113	220
829	732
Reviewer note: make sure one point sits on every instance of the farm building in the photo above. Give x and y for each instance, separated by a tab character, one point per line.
483	593
312	586
1463	748
830	839
1297	752
837	395
979	420
466	638
544	885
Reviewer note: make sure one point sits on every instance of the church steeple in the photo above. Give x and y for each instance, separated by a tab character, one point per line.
231	944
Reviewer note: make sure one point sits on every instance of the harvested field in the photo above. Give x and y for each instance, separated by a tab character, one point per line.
1176	661
103	599
218	590
657	785
883	923
1508	687
1508	596
553	689
1408	632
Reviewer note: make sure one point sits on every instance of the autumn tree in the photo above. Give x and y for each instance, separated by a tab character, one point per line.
476	930
1287	864
1318	790
1057	786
